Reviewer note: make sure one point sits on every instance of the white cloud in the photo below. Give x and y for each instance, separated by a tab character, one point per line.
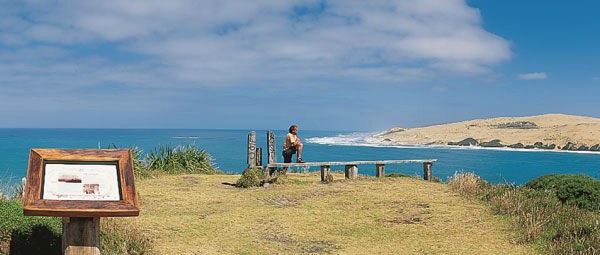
208	43
533	76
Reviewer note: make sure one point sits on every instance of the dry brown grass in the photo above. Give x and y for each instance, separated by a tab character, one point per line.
197	214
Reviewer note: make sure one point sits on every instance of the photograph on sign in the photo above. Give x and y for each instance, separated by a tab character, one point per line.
93	181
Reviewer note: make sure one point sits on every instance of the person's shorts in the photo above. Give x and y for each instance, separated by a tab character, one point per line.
287	154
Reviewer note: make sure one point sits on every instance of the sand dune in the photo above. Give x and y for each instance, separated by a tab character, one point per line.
563	131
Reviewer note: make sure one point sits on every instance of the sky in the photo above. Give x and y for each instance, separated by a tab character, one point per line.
348	65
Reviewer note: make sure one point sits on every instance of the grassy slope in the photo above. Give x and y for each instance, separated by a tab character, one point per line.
196	214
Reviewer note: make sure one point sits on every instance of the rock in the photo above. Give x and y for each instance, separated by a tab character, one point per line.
387	140
529	147
568	146
492	143
266	185
466	142
538	145
517	146
395	130
583	148
552	147
595	147
518	125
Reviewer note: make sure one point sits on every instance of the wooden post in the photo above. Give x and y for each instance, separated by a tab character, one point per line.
427	174
272	158
251	150
380	170
259	156
81	236
325	170
351	171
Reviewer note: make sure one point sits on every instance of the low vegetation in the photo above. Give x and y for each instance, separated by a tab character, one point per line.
164	159
577	190
251	177
517	125
255	177
553	212
21	234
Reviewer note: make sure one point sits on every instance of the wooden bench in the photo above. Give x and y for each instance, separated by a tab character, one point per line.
351	167
254	159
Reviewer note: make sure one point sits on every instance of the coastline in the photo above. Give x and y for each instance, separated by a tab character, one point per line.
548	132
346	140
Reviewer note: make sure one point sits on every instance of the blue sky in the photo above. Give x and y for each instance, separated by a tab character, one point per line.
325	65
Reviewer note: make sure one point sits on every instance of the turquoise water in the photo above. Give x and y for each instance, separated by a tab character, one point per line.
228	148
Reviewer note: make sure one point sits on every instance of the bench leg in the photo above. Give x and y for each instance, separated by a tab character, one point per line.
427	174
325	170
351	171
380	170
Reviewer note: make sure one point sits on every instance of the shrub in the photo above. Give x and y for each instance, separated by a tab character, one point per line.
578	190
181	159
466	183
251	177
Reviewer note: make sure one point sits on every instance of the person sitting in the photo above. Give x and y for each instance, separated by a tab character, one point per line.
292	145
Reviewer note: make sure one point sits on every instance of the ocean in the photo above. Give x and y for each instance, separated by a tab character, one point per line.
228	149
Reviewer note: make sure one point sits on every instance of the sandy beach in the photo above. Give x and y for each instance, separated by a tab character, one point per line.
548	131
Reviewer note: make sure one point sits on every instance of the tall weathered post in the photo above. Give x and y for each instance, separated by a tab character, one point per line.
252	149
259	161
271	147
271	156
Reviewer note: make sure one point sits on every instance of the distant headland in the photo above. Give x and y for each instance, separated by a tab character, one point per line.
548	131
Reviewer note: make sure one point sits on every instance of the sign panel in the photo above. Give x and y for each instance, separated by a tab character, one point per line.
81	181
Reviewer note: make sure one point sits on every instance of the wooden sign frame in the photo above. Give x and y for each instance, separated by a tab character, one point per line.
126	206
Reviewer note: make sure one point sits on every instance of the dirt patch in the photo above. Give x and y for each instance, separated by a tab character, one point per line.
418	213
275	233
190	180
279	201
319	247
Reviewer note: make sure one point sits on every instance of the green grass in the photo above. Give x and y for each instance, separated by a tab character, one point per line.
27	235
542	218
21	234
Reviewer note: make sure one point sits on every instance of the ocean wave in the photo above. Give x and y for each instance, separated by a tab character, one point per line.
352	139
185	137
367	140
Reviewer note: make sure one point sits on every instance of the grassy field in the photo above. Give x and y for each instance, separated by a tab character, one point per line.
199	214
